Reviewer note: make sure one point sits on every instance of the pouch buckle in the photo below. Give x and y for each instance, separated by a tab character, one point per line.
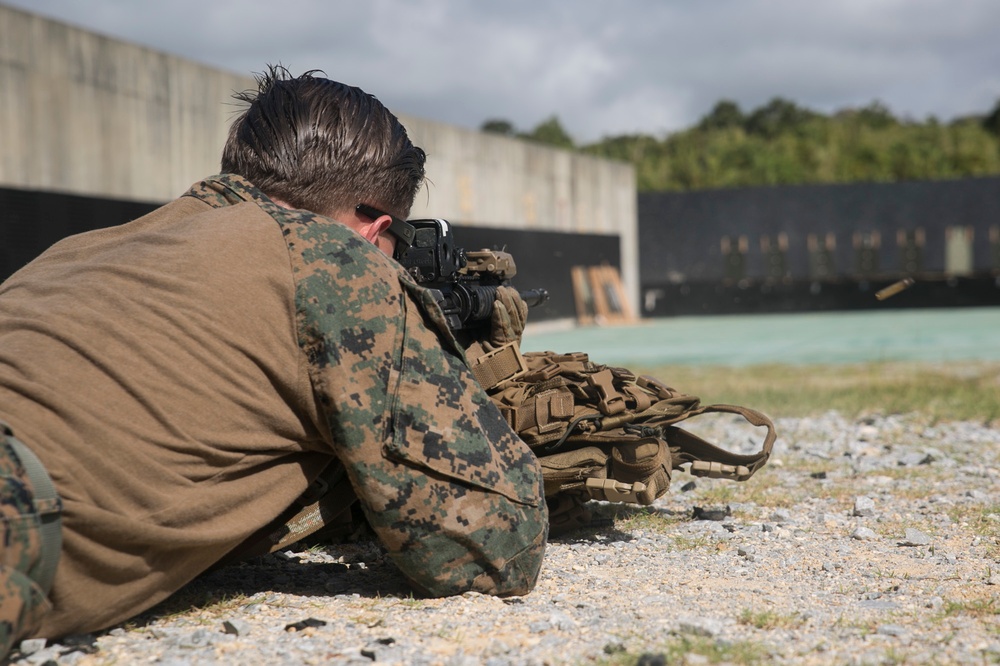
498	366
717	470
611	401
614	491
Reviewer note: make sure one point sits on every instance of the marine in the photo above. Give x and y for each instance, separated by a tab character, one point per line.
182	379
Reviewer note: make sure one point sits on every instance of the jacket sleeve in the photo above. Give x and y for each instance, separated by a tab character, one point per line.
453	494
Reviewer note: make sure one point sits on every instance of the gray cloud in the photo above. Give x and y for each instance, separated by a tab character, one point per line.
651	66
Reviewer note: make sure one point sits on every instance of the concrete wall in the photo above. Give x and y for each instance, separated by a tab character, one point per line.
86	114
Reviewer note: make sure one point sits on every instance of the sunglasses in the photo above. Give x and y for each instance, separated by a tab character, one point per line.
401	229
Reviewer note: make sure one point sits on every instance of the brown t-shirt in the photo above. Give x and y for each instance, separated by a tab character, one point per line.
154	369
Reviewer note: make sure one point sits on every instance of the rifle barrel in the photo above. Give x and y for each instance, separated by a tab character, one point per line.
534	297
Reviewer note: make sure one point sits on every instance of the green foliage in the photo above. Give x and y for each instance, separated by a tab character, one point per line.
725	114
498	126
778	117
991	123
781	143
551	133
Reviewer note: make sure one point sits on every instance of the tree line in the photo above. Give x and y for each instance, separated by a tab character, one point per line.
782	143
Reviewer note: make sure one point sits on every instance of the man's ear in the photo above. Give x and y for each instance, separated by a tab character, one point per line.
372	230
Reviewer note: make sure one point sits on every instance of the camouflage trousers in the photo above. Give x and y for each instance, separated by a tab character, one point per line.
29	508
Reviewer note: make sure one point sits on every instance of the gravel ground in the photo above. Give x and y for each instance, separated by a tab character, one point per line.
869	541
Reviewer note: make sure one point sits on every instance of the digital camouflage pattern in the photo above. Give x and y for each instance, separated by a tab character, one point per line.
22	603
453	494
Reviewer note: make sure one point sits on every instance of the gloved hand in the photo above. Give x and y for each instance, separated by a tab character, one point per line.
507	320
510	313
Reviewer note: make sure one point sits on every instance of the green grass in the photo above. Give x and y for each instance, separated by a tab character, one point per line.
943	393
981	607
677	650
981	519
630	517
770	619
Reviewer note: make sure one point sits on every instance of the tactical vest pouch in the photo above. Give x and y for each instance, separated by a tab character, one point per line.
601	432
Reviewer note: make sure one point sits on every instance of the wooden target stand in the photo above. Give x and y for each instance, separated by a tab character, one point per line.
600	297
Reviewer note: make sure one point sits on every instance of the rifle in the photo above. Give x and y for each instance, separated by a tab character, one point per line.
463	283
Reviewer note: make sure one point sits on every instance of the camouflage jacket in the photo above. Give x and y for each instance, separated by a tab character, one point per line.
453	494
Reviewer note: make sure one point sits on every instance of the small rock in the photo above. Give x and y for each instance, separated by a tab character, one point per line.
867	433
864	534
308	622
780	516
914	459
236	627
891	630
864	507
48	656
699	626
914	537
32	645
701	513
689	486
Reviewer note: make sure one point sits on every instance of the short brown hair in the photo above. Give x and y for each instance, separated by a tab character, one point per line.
322	146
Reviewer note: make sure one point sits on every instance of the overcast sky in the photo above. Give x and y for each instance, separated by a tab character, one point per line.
604	67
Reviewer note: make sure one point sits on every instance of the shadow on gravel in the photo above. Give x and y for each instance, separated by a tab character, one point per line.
605	517
360	568
365	571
